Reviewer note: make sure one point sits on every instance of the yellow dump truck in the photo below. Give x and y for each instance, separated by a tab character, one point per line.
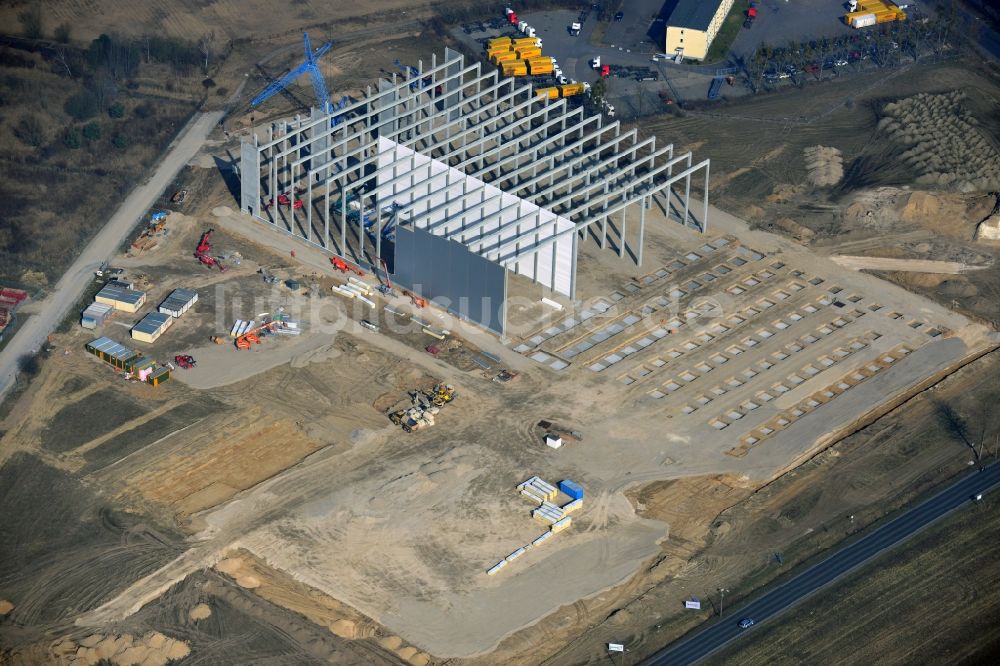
550	93
540	65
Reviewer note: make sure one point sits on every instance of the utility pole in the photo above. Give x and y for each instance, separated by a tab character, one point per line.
722	597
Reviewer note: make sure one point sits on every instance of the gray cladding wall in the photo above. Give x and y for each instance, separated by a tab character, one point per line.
446	272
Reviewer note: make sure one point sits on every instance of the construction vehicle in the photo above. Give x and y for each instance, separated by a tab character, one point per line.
268	278
179	196
184	361
416	300
424	406
345	267
201	253
386	289
254	335
159	215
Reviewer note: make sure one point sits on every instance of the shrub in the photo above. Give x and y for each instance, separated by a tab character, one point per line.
116	110
120	142
62	33
72	138
31	131
92	130
31	21
208	83
82	105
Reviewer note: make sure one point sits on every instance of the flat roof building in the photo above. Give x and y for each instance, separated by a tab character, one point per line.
120	297
693	25
151	327
178	302
95	315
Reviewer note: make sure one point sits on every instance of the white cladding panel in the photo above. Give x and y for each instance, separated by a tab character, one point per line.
446	214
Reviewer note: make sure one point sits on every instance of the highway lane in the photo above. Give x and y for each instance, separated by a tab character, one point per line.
845	559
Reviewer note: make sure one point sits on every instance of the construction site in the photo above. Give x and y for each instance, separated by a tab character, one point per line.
456	369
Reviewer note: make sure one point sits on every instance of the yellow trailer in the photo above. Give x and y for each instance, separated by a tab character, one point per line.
542	65
499	41
571	89
514	68
527	41
528	52
550	93
504	57
492	53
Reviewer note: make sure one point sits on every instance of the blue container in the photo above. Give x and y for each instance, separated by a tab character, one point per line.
571	488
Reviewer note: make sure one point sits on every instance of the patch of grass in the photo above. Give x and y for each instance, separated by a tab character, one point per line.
719	49
82	421
935	596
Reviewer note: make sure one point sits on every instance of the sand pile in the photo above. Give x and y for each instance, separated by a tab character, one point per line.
200	612
943	141
152	649
795	230
825	165
988	229
5	607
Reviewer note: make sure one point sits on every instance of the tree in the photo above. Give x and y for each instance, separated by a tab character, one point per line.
31	131
72	138
92	130
62	33
120	142
31	21
82	105
116	110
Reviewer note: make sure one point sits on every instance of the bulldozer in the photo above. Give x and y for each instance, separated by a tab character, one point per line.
425	404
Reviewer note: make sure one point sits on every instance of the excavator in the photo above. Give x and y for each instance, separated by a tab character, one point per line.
253	336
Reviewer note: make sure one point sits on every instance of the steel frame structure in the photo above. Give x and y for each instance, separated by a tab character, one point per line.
576	166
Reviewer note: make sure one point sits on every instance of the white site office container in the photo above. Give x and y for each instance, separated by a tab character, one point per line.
561	525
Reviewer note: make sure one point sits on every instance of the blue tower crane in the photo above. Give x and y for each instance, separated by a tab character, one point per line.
308	65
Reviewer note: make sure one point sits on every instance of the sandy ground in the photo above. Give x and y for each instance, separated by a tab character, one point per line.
436	521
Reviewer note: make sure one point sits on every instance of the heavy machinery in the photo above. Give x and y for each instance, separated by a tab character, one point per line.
308	65
419	301
201	253
268	277
413	73
185	361
386	289
345	267
254	335
424	406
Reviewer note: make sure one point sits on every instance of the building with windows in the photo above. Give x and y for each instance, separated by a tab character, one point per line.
693	25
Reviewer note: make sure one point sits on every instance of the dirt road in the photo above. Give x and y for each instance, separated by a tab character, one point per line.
67	291
909	265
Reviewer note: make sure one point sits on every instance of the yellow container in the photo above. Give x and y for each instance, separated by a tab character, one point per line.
540	66
571	89
527	41
506	56
527	52
499	41
551	93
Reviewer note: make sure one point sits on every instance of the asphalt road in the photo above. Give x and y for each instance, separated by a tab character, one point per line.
699	645
50	312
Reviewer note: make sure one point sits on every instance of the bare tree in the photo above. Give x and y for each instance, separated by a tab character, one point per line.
205	46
